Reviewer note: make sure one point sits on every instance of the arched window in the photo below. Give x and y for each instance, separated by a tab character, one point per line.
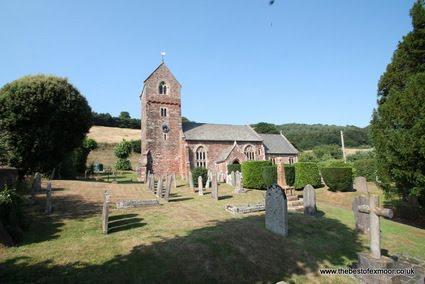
162	88
163	111
249	152
201	157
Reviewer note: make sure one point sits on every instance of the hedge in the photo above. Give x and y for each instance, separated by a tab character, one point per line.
252	172
290	174
233	168
338	179
123	165
270	175
365	168
196	172
306	173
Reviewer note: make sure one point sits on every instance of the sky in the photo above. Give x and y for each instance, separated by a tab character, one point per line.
239	62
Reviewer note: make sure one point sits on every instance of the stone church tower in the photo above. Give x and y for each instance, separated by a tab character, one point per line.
161	123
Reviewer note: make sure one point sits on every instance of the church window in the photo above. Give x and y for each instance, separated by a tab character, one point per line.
162	88
291	160
201	157
163	111
249	152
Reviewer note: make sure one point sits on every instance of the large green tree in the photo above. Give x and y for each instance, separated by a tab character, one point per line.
398	124
42	119
264	127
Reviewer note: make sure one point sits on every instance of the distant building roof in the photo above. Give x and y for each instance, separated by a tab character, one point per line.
278	144
219	132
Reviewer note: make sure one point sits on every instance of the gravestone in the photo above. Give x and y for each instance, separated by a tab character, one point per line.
281	179
48	198
360	184
174	181
309	198
191	181
36	184
200	186
168	188
362	219
148	181
105	212
276	210
159	187
152	183
124	204
214	187
207	184
238	183
233	178
246	208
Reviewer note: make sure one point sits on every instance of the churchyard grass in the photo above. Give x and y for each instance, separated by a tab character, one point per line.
190	239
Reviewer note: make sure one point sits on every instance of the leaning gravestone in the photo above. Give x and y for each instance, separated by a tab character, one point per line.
200	189
360	184
105	212
49	198
276	210
309	198
159	187
214	187
362	219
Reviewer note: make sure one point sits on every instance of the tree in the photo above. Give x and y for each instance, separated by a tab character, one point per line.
122	151
264	127
42	119
398	124
409	58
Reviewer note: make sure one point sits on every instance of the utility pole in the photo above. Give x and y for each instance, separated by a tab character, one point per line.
343	147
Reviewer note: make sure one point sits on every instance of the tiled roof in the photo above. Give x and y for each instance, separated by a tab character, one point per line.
219	132
278	144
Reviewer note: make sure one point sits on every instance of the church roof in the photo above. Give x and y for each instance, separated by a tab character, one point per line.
163	65
219	132
278	144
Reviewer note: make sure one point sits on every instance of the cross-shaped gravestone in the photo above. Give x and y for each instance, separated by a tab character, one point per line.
375	212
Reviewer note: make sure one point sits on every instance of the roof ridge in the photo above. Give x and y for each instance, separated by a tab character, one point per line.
255	132
284	137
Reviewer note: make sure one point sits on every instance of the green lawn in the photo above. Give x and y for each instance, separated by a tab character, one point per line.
193	239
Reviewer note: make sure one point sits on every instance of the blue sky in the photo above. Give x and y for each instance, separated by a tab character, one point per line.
311	61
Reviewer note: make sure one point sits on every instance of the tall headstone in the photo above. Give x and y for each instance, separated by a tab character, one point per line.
362	219
214	187
207	184
233	178
168	188
276	210
200	186
191	181
159	187
105	212
148	181
238	183
281	178
152	183
360	185
48	198
174	181
309	198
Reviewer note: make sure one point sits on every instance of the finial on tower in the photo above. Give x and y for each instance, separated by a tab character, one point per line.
162	56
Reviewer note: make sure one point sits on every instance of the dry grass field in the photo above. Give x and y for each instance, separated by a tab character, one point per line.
104	154
113	135
189	239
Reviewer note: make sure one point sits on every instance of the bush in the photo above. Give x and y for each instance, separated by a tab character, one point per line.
361	155
365	168
196	172
252	172
306	173
233	168
123	165
11	212
333	163
326	151
307	157
290	174
42	120
340	179
89	144
270	175
123	150
136	146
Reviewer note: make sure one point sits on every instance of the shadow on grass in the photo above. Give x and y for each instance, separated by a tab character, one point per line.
180	199
118	223
238	250
223	197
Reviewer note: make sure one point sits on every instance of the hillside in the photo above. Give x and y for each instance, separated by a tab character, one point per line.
113	135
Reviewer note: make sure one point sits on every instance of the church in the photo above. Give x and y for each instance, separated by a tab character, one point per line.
170	146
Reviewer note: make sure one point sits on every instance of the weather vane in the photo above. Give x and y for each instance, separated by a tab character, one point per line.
162	56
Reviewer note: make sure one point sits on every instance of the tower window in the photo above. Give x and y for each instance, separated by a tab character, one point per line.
249	152
201	157
163	111
162	88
